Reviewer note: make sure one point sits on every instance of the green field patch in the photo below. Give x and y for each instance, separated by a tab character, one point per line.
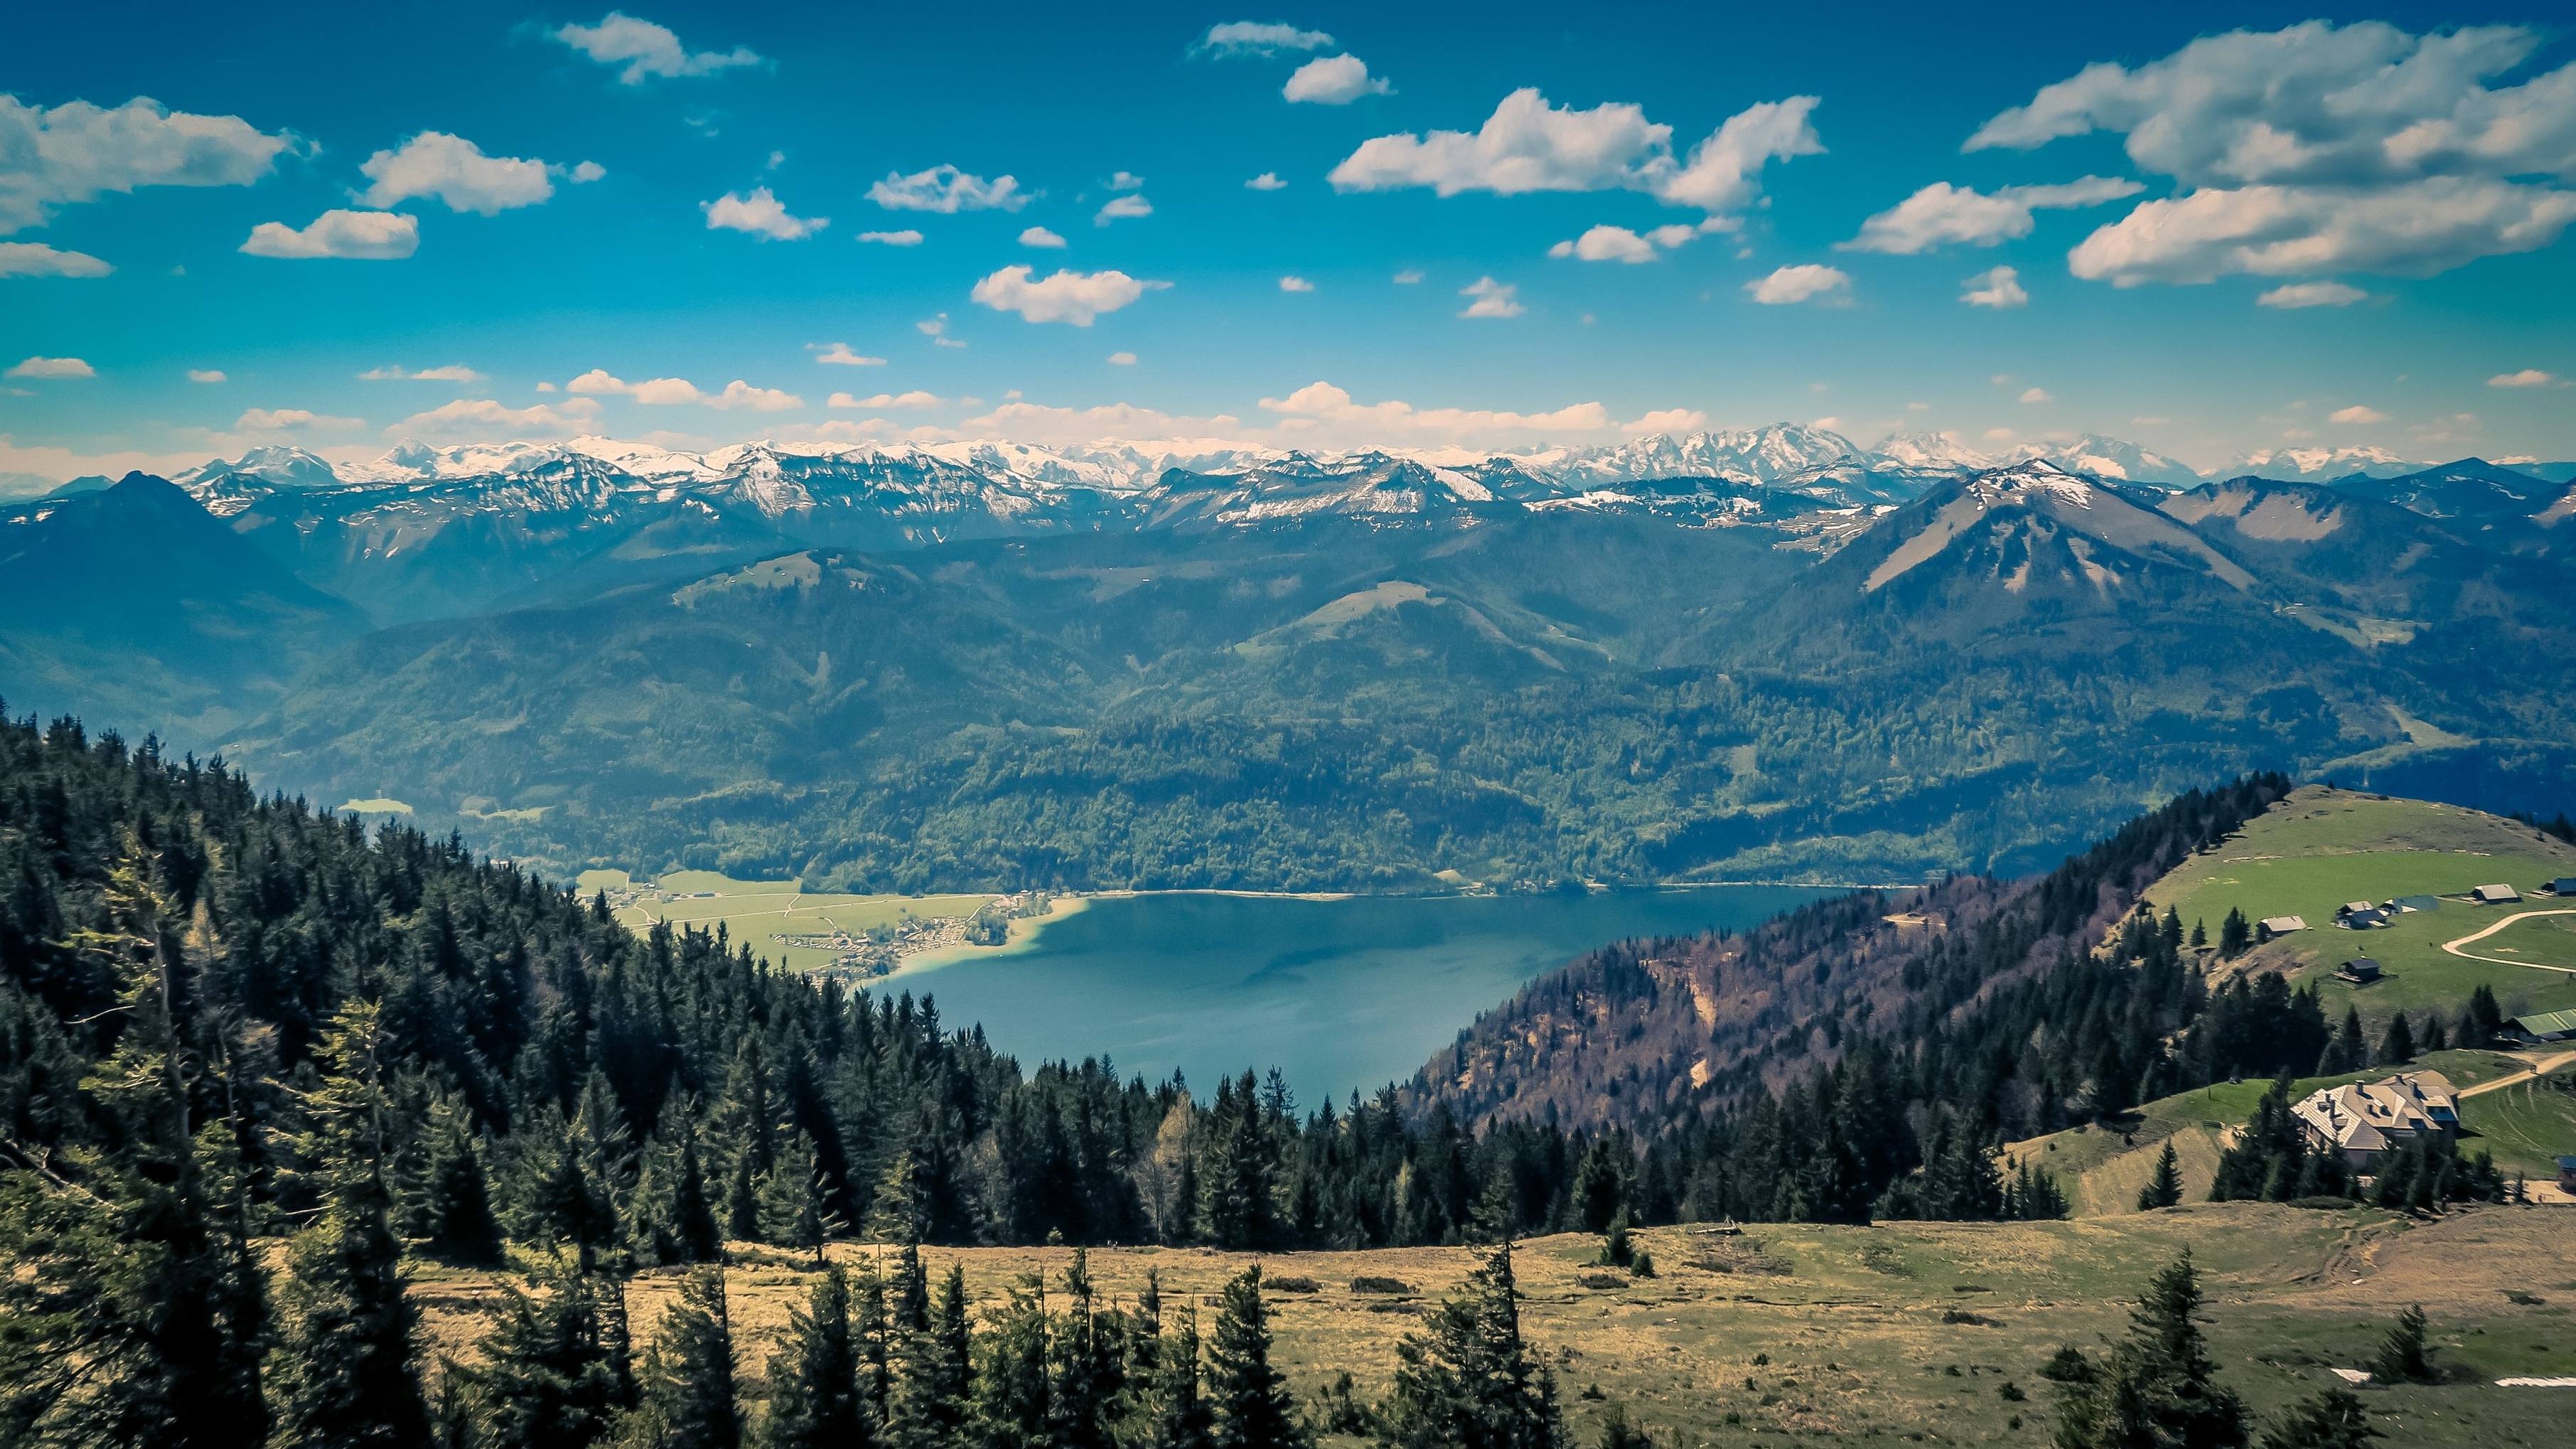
2527	1127
377	806
758	913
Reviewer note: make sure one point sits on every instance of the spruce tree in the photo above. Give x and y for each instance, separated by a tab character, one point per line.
2159	1388
1012	1400
1469	1377
934	1386
2397	1048
457	1210
2164	1190
2235	934
2349	1051
1087	1362
341	1371
687	1389
1249	1397
794	1208
2402	1357
553	1374
1178	1415
814	1375
2332	1419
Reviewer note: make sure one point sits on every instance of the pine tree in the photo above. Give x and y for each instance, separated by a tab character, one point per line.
1087	1361
2333	1419
794	1201
2199	934
933	1391
899	1210
2164	1190
2159	1389
1178	1416
1248	1396
2349	1051
2397	1048
2402	1357
814	1375
133	1304
341	1371
687	1392
1469	1377
2235	934
1012	1399
457	1210
553	1374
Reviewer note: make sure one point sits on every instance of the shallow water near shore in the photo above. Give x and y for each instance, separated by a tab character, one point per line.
1338	994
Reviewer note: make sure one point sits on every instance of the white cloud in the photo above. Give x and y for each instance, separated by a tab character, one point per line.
2310	294
1266	181
1618	244
1067	296
1672	422
2357	413
2036	395
1038	236
2317	148
840	355
761	214
480	419
453	372
1122	207
380	236
1295	284
2528	377
1322	402
284	420
1335	80
455	171
205	374
947	190
936	329
913	399
647	49
1122	359
904	238
1126	181
77	152
1491	299
35	259
53	367
1999	287
1252	37
1528	145
588	172
1941	213
1799	284
675	391
1408	276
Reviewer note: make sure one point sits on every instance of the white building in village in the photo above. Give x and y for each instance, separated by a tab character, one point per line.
2367	1120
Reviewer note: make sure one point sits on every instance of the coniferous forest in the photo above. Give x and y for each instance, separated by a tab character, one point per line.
254	1059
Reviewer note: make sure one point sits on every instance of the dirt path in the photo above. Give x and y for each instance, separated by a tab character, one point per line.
2541	1068
2454	946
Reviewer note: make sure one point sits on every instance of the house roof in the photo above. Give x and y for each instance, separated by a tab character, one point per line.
2547	1023
2368	1116
2498	892
2279	924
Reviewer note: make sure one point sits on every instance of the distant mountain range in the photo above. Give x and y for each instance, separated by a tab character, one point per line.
976	664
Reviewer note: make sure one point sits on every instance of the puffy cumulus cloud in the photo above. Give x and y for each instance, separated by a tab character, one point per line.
1121	208
1528	145
376	236
1335	80
1618	244
1047	426
1038	236
1804	283
840	355
2295	295
453	372
1252	37
2322	148
904	238
1996	287
1409	276
1295	284
2528	377
53	367
2357	413
1067	296
1672	422
1122	359
1489	298
1323	403
205	374
77	152
2036	395
1940	214
647	50
761	214
455	171
913	399
34	259
587	172
482	419
676	391
1266	181
936	329
1126	181
947	190
292	420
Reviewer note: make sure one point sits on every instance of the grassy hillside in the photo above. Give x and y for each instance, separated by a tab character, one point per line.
757	912
1907	1331
2321	847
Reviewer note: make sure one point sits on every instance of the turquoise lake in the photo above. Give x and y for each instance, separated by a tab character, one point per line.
1338	994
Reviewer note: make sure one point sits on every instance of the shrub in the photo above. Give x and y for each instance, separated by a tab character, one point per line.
1380	1285
1292	1285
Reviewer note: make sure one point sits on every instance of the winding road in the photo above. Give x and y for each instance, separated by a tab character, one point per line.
2454	946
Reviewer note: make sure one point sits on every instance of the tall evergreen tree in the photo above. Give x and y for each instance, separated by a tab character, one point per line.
457	1211
815	1397
2397	1047
687	1386
794	1208
1013	1408
1177	1415
2159	1389
2332	1419
2402	1357
2164	1190
1469	1377
1248	1396
341	1371
553	1373
933	1393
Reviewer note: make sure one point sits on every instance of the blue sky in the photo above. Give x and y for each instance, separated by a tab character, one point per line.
2408	173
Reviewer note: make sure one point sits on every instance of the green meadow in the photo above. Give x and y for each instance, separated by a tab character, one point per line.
757	912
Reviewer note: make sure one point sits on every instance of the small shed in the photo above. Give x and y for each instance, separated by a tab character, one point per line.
2495	895
2567	1170
2360	971
2544	1026
2271	926
2412	903
2565	885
